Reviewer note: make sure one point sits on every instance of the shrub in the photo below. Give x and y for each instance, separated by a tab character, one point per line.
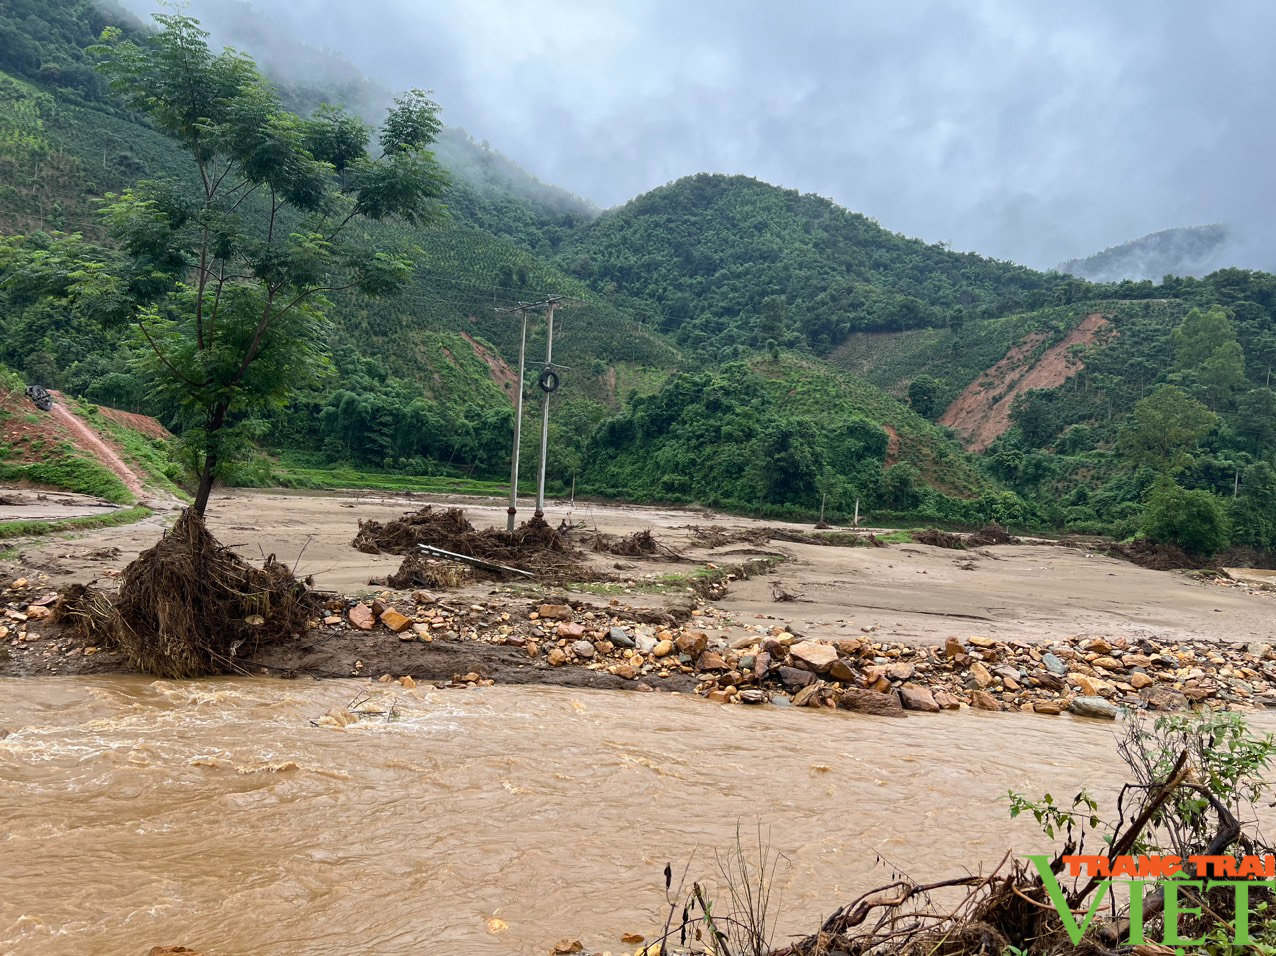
1195	521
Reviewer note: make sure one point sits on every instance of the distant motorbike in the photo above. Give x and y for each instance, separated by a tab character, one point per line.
43	400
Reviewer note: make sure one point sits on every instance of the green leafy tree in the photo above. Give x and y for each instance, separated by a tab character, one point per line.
1196	521
226	276
1256	420
1205	345
1165	429
923	395
1254	511
1201	334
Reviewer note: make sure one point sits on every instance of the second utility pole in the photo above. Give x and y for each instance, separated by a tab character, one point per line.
518	427
549	364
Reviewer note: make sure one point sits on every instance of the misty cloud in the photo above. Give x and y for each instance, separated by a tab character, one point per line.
1024	131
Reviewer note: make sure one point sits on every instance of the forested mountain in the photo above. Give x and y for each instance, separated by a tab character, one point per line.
724	340
1186	251
726	263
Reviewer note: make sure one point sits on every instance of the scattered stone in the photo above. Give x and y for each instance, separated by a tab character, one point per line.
395	621
663	648
407	683
692	644
1054	665
818	656
752	695
842	670
583	649
1139	680
982	700
571	631
1095	707
711	661
806	696
555	612
1051	707
869	702
618	637
953	648
794	678
1107	664
914	697
556	657
361	617
901	671
947	701
980	673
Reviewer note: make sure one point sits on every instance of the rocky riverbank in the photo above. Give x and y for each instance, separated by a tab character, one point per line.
689	644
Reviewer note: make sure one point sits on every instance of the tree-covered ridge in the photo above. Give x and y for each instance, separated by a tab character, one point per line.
727	263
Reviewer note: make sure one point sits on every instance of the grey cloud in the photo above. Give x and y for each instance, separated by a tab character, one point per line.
1025	131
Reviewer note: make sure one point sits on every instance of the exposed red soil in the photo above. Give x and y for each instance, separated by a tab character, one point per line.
981	413
31	441
86	439
501	373
148	426
892	445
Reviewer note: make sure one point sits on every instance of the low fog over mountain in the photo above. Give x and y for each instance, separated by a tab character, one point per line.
1030	132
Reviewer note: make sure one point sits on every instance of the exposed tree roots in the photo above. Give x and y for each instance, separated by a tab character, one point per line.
190	607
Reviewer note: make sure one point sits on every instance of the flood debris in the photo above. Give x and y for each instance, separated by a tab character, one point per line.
640	544
988	535
532	546
191	607
421	571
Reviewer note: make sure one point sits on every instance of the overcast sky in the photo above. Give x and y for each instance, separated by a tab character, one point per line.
1019	129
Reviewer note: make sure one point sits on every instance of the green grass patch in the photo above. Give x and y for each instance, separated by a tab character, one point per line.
66	468
304	472
149	457
896	537
32	529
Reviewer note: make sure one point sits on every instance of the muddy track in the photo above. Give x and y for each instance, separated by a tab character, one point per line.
88	440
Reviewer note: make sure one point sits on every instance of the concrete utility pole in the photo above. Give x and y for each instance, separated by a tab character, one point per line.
512	510
548	383
549	370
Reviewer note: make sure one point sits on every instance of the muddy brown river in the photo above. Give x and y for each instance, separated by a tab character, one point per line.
216	815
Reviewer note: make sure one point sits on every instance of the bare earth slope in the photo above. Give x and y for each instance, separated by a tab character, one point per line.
981	413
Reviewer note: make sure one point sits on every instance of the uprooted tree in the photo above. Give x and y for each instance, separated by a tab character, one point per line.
225	275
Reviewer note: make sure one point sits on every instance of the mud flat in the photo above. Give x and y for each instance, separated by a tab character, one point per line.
907	592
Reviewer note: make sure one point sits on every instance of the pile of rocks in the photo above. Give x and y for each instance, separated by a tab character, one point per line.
24	603
769	663
1088	676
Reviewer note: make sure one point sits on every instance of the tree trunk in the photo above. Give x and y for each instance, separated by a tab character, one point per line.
205	484
215	423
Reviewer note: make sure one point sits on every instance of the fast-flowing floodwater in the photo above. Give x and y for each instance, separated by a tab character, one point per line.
216	815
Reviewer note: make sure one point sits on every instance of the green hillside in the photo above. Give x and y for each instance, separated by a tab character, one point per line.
727	263
723	340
